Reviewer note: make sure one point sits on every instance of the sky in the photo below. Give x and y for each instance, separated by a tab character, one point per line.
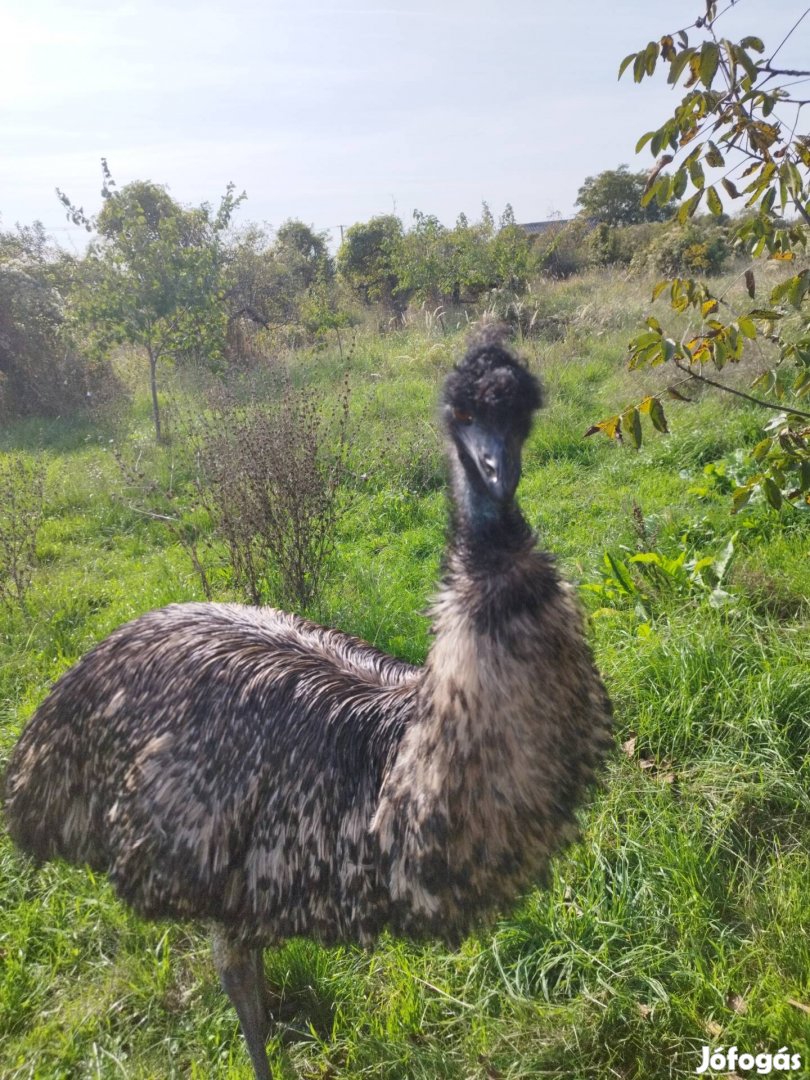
333	111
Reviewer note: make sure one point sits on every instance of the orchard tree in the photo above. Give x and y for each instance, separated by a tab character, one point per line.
511	252
367	255
426	264
153	279
269	280
322	310
740	118
32	336
472	248
303	252
614	197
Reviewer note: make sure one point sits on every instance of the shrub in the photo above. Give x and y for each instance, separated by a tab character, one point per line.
42	373
273	481
697	248
22	506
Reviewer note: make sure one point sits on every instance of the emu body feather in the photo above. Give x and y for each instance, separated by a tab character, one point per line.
247	767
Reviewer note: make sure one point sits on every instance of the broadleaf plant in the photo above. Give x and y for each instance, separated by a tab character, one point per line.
740	114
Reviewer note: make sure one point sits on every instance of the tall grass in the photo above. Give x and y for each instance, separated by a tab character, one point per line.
679	920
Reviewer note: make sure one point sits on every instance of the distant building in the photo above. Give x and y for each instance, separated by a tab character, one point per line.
539	228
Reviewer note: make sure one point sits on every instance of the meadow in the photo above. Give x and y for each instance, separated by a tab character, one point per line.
680	919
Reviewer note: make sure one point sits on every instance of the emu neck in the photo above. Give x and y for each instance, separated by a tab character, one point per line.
483	533
463	817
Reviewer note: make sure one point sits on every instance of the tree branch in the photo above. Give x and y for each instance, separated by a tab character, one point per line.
738	393
802	211
787	37
781	71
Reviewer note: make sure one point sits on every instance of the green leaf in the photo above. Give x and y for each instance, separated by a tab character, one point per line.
687	209
714	157
740	498
772	493
723	561
761	449
747	327
621	574
764	380
679	182
657	416
709	59
742	57
631	422
696	174
678	64
628	60
713	201
651	56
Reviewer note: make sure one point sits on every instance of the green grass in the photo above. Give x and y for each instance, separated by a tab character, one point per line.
679	920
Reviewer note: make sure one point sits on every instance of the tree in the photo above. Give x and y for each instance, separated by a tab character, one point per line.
303	252
473	255
31	320
511	253
425	263
614	197
366	258
269	283
739	117
153	279
41	373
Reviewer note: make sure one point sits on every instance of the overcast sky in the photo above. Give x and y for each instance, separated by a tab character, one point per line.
336	110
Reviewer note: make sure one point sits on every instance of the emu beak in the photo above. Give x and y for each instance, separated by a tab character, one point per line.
497	459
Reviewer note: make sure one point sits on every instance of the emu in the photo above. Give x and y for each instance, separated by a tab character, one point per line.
275	778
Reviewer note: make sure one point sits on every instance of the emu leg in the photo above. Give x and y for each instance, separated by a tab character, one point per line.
241	972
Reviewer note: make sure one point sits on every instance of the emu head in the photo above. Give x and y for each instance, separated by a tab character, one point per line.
487	406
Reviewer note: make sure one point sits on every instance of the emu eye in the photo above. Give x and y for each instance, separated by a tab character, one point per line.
462	417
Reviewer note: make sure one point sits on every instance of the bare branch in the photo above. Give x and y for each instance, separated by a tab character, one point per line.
786	38
738	393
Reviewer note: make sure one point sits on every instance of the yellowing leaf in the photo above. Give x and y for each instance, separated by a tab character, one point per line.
713	201
611	427
658	288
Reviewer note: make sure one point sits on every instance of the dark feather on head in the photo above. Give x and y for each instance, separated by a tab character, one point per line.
493	385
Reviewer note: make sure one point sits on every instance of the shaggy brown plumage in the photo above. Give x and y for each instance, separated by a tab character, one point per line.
248	767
